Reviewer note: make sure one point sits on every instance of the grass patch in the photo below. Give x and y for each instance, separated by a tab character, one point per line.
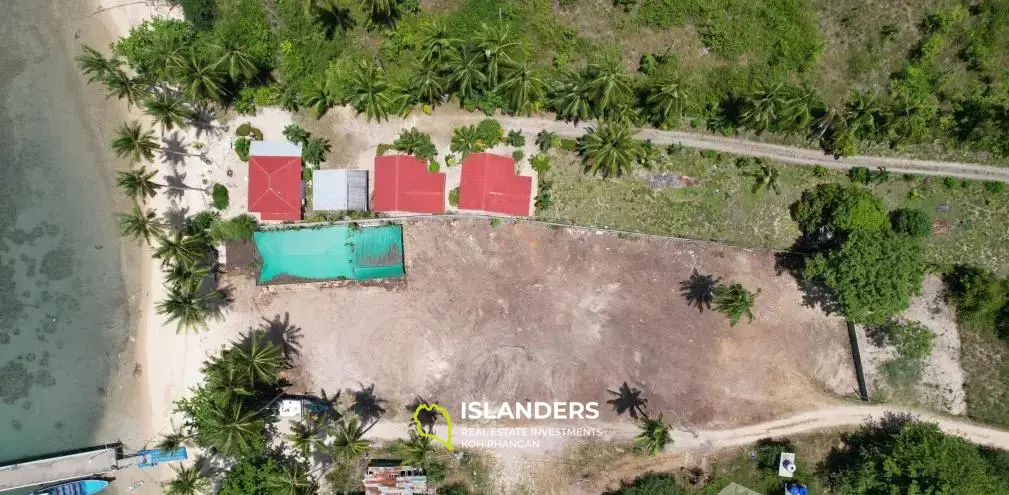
969	221
985	360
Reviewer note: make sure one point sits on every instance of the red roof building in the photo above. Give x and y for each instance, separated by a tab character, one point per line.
402	183
275	186
489	183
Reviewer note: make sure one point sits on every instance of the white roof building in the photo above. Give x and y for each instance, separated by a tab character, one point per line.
339	190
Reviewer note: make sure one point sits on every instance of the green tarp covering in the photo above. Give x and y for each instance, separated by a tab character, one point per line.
333	252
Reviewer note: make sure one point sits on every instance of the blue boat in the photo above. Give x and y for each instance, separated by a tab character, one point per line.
80	487
153	457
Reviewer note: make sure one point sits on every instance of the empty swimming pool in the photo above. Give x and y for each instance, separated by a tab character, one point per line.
333	252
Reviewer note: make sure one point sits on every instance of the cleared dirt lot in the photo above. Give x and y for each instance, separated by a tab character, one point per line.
525	312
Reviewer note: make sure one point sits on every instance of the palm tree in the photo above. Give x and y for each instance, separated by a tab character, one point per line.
235	61
801	106
908	121
609	149
224	381
654	437
332	17
295	134
608	83
418	451
131	140
734	301
699	290
495	42
305	435
180	248
293	479
628	399
191	480
573	100
189	309
319	99
546	140
466	140
765	177
94	65
203	79
122	86
427	85
347	442
180	273
380	11
140	224
230	430
137	184
258	360
466	71
173	441
761	108
168	110
864	115
315	150
524	87
368	94
437	45
666	100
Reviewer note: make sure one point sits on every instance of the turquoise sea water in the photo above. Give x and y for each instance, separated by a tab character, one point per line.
63	303
332	252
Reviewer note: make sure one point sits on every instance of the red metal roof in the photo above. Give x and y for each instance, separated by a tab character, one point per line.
489	183
275	187
402	183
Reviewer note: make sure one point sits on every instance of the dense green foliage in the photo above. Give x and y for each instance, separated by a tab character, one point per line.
911	221
981	299
416	143
239	228
827	211
199	13
219	194
652	484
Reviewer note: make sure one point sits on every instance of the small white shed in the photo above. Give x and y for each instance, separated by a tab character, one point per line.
339	190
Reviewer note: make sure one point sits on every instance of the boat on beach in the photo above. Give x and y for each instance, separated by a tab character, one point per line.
79	487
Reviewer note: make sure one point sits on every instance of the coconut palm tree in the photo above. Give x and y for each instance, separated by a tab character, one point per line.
368	91
94	65
765	177
122	86
180	273
320	99
864	115
133	141
699	290
608	83
295	134
305	435
140	224
380	11
230	429
331	16
628	400
427	85
466	74
908	121
348	443
734	301
418	451
573	99
192	480
258	360
666	100
179	247
609	149
187	307
496	43
524	87
168	110
293	479
137	184
225	381
654	437
801	106
173	441
546	140
466	140
436	44
761	108
235	61
203	79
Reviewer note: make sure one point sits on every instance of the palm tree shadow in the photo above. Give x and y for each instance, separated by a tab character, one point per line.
699	290
175	216
367	406
173	149
202	119
628	400
175	186
426	417
283	334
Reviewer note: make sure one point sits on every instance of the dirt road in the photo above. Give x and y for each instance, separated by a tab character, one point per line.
703	440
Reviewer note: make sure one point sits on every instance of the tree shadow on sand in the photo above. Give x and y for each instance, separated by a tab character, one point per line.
628	400
282	333
814	294
202	119
367	406
426	417
699	290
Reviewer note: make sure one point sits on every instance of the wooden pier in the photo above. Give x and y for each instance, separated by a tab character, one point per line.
55	468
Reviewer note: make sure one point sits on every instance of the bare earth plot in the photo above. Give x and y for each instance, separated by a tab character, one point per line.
524	312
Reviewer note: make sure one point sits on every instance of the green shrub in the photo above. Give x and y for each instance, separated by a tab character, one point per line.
144	46
200	223
200	13
454	489
433	166
950	182
544	196
243	130
518	155
861	175
495	222
451	160
515	138
453	197
242	148
653	484
912	339
220	195
256	134
994	187
490	132
239	228
314	151
980	298
540	163
383	148
295	134
569	144
911	221
819	171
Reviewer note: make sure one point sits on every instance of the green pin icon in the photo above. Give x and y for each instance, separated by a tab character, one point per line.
447	442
